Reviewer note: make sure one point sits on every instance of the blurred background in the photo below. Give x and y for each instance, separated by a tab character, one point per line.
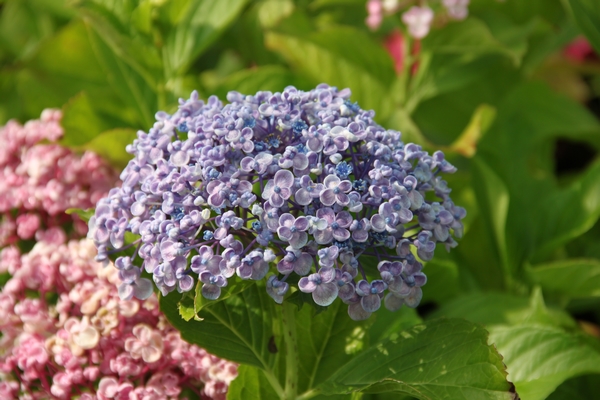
510	90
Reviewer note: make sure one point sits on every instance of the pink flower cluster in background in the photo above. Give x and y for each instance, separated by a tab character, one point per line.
67	334
41	179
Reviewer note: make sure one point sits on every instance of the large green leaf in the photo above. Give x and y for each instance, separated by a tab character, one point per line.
573	278
200	23
342	57
327	341
587	15
442	359
234	286
539	358
239	328
250	383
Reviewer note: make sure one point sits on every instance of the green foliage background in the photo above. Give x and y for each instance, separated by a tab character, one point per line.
494	91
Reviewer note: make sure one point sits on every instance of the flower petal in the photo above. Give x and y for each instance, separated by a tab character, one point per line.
393	302
142	289
357	312
325	293
298	240
371	303
414	298
303	264
306	284
327	197
210	291
302	197
284	178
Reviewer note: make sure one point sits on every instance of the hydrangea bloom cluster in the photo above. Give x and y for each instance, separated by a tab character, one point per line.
40	181
78	339
304	184
418	18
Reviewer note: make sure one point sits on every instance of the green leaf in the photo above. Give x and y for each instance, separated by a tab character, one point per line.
539	358
580	203
493	199
132	88
327	341
491	309
250	383
111	144
81	122
442	359
471	38
238	328
186	307
432	101
136	52
201	23
342	57
85	215
529	120
587	15
442	281
572	278
273	78
234	287
69	54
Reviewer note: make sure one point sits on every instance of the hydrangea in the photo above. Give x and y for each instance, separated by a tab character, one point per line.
78	339
279	184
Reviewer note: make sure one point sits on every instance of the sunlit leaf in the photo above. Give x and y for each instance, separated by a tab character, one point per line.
199	26
539	358
436	360
250	383
341	57
575	278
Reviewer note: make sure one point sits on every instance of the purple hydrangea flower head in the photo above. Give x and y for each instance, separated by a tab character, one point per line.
273	184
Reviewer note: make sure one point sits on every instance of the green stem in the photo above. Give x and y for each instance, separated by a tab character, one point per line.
274	383
291	351
309	394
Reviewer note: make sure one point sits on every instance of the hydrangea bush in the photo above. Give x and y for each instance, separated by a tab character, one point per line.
289	187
